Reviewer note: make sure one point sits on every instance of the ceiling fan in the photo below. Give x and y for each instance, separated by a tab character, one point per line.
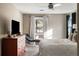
53	5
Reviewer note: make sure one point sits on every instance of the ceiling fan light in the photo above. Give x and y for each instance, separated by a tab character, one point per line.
56	5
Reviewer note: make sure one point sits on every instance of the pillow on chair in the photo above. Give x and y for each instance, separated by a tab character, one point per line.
74	37
70	36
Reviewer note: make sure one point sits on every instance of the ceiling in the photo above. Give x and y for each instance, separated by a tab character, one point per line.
42	8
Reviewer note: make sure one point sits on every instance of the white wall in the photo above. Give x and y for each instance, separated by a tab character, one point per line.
57	23
78	28
9	12
26	23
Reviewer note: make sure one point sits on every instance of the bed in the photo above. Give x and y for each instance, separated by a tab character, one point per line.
57	47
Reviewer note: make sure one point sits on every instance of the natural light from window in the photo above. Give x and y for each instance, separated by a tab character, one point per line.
48	34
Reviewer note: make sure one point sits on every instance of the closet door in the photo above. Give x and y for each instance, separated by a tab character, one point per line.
73	18
74	22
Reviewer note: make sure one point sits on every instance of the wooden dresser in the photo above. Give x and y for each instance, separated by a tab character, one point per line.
14	46
9	47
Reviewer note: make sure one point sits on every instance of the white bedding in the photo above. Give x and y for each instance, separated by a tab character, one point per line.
61	47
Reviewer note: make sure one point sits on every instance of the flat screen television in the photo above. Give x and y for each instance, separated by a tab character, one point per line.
15	27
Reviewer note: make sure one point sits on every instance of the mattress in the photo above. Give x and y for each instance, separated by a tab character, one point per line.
58	47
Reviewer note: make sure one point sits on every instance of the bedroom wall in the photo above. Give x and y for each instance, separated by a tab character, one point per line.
27	20
9	12
26	23
57	22
78	27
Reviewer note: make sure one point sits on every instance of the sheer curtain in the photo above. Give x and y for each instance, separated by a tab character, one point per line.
32	26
